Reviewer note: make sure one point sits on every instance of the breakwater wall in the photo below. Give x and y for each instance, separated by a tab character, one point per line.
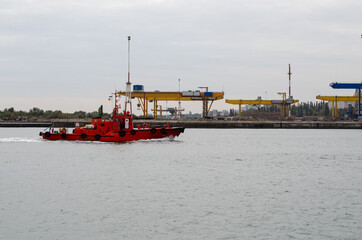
209	124
263	124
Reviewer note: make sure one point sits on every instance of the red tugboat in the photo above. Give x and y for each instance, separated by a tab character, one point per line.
118	129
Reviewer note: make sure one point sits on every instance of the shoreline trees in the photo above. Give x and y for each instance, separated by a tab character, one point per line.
35	112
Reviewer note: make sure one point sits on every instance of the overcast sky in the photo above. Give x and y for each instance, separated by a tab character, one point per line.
70	54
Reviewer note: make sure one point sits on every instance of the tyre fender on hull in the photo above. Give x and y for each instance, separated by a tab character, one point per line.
97	137
83	135
133	132
122	133
153	130
47	134
63	135
163	131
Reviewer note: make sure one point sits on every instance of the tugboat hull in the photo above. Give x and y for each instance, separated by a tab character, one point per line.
116	136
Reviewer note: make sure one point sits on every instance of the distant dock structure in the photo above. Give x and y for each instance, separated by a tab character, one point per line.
284	103
144	98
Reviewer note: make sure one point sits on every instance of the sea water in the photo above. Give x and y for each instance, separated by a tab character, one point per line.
205	184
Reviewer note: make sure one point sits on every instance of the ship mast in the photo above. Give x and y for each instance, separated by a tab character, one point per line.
116	105
128	84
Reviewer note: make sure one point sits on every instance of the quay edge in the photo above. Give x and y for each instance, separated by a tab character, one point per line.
263	124
211	124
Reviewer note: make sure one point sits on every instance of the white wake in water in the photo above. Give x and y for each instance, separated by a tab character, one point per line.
19	139
38	140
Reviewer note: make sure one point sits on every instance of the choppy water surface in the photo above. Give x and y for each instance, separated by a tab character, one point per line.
206	184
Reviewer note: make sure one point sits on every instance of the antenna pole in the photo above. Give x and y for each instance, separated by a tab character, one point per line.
129	60
128	84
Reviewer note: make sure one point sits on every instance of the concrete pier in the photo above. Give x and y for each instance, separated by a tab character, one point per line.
263	124
208	124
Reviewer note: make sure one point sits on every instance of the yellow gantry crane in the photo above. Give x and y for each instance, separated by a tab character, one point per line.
335	99
145	97
282	103
205	108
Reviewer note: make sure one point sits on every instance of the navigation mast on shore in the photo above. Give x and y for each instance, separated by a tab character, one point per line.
290	74
128	84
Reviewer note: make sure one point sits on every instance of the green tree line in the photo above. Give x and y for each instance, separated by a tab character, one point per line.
310	109
35	112
301	109
318	109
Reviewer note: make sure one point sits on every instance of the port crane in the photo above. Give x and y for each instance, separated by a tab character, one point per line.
334	100
356	86
144	98
174	111
205	103
282	103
